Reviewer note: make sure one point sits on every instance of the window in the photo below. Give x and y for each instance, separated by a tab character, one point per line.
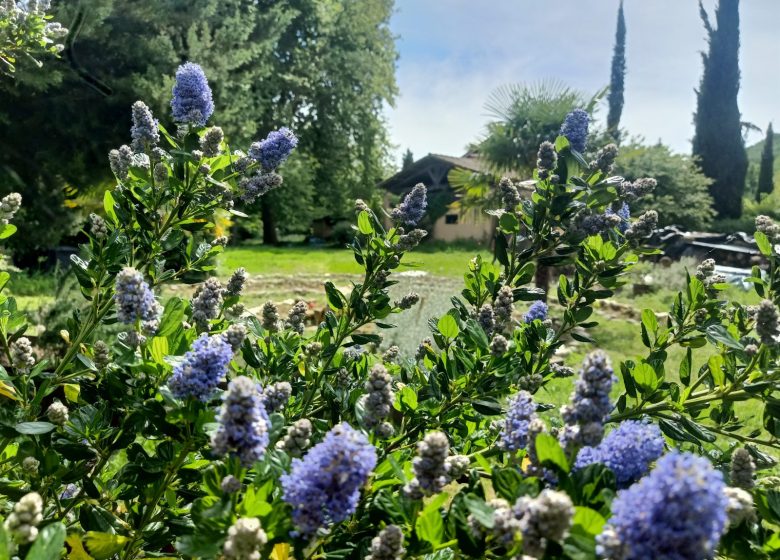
451	219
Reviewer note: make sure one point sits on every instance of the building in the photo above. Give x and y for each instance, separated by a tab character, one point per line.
433	171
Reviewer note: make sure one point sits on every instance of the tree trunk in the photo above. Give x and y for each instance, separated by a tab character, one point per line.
270	235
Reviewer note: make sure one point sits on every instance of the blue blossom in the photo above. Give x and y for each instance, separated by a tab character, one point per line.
354	353
412	208
144	130
275	149
134	299
628	451
590	403
520	413
243	423
202	368
192	102
324	486
538	310
624	213
677	512
575	129
69	492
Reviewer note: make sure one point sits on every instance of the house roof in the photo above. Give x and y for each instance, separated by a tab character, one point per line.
421	171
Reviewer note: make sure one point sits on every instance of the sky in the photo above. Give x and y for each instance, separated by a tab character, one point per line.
454	53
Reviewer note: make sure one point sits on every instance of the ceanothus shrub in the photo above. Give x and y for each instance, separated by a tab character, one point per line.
201	430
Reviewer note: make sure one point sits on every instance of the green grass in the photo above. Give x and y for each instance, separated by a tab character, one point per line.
262	260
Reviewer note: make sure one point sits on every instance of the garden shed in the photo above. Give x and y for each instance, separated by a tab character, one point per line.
451	223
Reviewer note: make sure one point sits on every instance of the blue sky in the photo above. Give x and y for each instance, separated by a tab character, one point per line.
453	53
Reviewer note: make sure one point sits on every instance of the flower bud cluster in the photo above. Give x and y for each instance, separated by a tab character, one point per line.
510	198
297	439
211	140
277	396
206	302
9	205
408	241
236	282
244	540
546	159
643	227
433	466
388	544
590	403
270	317
378	400
547	517
605	159
235	335
144	132
503	306
408	301
22	354
23	522
97	227
631	191
296	318
135	300
767	323
57	413
486	319
743	469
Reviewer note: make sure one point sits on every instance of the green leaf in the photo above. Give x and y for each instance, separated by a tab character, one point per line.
172	316
108	206
408	396
590	521
49	543
548	450
715	364
763	243
7	231
509	223
102	546
645	377
364	223
335	297
448	326
480	510
718	334
159	349
561	143
35	428
4	277
5	542
430	525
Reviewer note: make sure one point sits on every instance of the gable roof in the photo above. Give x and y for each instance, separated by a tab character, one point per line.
432	170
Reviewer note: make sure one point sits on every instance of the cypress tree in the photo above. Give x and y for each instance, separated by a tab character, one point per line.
766	183
407	160
717	141
618	76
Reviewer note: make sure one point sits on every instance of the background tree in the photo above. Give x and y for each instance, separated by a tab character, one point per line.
681	196
407	160
766	180
718	142
324	69
617	77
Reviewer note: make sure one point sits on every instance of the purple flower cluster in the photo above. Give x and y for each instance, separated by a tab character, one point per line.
538	310
628	451
412	208
324	486
575	129
243	423
192	102
590	404
134	300
275	149
624	213
202	368
516	426
677	512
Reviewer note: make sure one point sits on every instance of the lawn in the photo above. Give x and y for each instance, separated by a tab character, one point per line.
323	261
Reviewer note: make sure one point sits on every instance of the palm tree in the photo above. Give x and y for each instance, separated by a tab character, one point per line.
522	117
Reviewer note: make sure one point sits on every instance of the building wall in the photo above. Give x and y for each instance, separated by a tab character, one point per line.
470	225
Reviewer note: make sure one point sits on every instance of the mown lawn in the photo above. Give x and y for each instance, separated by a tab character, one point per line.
262	260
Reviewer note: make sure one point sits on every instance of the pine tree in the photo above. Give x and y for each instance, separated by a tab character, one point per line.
766	183
718	141
617	77
408	159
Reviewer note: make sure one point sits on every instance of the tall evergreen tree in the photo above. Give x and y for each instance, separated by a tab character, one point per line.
407	160
617	76
766	180
718	141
